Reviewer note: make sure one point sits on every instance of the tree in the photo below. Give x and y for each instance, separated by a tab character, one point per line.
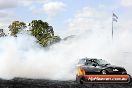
2	34
42	31
16	26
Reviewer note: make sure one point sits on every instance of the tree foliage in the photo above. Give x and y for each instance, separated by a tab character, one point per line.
43	32
39	29
16	26
2	34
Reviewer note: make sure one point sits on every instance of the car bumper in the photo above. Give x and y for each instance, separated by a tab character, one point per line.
103	78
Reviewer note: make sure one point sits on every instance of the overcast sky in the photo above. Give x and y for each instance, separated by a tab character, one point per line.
66	15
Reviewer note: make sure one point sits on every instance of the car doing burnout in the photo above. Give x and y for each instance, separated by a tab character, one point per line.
91	66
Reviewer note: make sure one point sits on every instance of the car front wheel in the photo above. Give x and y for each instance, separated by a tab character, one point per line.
103	72
124	72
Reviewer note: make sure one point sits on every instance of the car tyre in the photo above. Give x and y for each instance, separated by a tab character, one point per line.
80	80
103	72
124	73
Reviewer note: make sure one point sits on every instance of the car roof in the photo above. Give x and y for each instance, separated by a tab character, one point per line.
90	59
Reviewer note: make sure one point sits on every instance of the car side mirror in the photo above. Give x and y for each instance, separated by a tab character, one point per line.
94	65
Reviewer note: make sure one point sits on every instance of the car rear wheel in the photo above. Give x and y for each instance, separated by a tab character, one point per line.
80	80
103	72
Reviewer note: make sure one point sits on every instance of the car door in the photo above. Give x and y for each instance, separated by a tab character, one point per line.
90	68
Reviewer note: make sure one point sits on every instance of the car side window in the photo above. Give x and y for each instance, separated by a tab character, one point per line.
88	62
93	63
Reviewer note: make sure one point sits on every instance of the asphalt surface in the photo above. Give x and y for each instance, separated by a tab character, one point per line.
41	83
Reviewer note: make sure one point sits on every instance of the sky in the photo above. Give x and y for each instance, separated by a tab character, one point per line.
65	15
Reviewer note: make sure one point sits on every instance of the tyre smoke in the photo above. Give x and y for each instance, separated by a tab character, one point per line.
22	57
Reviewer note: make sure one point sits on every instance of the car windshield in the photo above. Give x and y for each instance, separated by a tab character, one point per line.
102	62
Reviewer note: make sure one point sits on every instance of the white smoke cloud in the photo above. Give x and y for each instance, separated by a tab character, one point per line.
23	57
